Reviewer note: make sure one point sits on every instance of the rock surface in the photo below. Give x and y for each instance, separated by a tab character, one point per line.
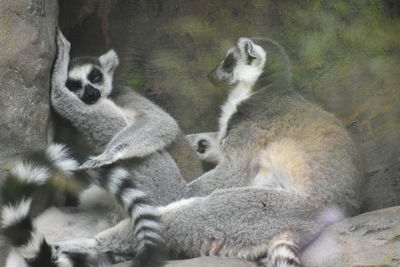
203	262
370	239
27	30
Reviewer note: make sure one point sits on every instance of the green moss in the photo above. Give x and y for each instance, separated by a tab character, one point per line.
136	82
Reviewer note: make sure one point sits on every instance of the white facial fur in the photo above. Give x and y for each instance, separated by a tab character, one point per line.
248	73
109	61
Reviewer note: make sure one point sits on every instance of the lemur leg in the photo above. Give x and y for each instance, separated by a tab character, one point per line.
248	223
224	175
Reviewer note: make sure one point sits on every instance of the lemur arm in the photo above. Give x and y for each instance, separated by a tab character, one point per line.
152	130
62	99
86	118
66	103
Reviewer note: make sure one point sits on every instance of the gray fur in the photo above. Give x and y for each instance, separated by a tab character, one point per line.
286	170
240	220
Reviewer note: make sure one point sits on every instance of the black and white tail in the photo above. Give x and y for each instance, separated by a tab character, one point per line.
282	254
20	180
145	217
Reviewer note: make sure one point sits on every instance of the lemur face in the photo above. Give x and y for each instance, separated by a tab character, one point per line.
91	78
243	63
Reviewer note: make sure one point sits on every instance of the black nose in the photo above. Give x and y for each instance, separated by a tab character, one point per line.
90	95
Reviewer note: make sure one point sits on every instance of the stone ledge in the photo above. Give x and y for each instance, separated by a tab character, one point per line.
371	239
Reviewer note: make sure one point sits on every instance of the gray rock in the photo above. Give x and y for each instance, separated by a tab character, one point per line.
370	239
204	262
27	30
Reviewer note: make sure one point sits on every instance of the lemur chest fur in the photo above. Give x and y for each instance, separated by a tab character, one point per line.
111	108
239	94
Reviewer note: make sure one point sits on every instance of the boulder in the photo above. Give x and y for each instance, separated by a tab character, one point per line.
370	239
203	262
27	34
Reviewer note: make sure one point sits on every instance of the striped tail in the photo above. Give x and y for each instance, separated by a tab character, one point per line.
145	217
20	179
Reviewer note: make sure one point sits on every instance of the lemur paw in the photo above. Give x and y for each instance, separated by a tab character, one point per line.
62	42
95	162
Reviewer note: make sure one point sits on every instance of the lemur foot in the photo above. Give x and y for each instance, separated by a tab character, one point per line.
82	252
82	245
283	254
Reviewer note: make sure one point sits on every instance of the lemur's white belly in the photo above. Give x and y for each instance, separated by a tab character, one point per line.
111	108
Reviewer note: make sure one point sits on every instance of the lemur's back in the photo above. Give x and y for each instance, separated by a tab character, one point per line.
308	148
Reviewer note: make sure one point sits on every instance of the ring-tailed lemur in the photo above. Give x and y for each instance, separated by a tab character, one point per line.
284	167
109	126
122	126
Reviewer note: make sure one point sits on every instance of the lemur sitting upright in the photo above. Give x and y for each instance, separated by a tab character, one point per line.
283	165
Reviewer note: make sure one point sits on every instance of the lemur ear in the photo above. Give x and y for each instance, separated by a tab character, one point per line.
109	61
248	47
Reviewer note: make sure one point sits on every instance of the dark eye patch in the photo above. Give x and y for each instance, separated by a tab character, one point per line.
73	85
229	63
95	76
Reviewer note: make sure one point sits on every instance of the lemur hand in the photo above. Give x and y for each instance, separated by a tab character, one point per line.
60	69
96	162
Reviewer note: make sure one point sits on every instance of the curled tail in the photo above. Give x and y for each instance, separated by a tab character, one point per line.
145	217
21	180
